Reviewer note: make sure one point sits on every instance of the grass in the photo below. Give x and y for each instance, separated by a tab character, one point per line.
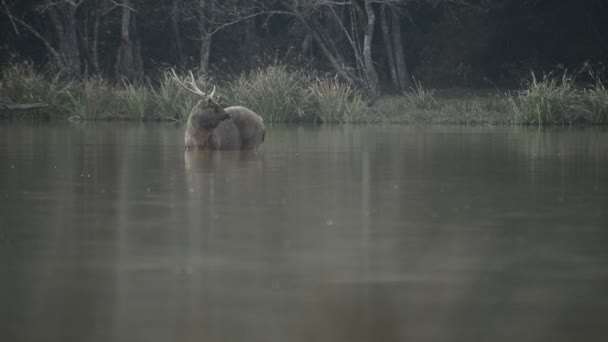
89	100
135	101
467	108
545	101
421	97
21	83
277	94
333	102
283	95
170	101
557	100
594	103
280	94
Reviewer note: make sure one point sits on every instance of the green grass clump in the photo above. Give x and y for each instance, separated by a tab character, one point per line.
594	103
89	99
135	101
21	83
546	101
335	102
171	101
277	94
282	95
421	97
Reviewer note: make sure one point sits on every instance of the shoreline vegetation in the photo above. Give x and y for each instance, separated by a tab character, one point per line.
280	94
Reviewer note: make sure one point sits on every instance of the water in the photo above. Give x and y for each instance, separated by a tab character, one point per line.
111	232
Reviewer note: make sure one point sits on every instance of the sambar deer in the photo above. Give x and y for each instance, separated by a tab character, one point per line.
211	127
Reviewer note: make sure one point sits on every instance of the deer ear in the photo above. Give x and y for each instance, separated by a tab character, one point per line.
220	101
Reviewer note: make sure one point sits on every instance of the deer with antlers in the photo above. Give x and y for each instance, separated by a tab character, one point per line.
211	127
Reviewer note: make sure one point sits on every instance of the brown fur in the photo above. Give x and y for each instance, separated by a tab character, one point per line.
210	127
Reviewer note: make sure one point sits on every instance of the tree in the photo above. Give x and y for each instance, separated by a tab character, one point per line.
393	43
351	22
129	63
61	15
63	18
176	15
213	16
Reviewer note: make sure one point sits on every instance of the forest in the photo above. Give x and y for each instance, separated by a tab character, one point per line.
375	48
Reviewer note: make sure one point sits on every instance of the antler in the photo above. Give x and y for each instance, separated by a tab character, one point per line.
191	86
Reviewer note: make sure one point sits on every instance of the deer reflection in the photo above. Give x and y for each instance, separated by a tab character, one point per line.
212	161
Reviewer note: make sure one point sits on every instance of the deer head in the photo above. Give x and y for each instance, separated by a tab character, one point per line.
207	113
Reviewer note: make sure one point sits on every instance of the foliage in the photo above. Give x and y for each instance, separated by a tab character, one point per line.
557	101
171	101
421	97
89	99
456	43
283	95
545	101
448	107
21	83
135	100
337	103
594	103
277	94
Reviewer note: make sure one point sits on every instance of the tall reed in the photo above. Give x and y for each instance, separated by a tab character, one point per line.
335	102
545	101
135	100
276	93
90	99
21	83
594	103
171	101
421	97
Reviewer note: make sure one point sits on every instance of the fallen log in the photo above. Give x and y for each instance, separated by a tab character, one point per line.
23	106
23	110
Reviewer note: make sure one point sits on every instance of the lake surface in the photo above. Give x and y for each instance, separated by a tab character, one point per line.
111	232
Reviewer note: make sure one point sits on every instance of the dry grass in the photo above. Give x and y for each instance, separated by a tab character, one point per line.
276	93
283	95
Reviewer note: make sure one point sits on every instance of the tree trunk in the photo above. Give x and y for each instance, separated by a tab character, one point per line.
391	33
90	40
175	20
205	53
250	42
403	74
206	8
124	59
388	45
336	61
55	55
128	59
306	49
94	46
370	69
63	18
138	61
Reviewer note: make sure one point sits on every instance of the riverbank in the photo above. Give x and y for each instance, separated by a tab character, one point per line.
283	95
448	106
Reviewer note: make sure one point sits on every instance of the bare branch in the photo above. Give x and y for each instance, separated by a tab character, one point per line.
10	16
48	45
116	4
51	3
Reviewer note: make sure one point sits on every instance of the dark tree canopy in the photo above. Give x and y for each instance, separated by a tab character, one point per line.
373	44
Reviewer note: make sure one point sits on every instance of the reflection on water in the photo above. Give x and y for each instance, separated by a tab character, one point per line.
110	232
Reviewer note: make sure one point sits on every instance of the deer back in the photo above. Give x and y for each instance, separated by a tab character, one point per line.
250	126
